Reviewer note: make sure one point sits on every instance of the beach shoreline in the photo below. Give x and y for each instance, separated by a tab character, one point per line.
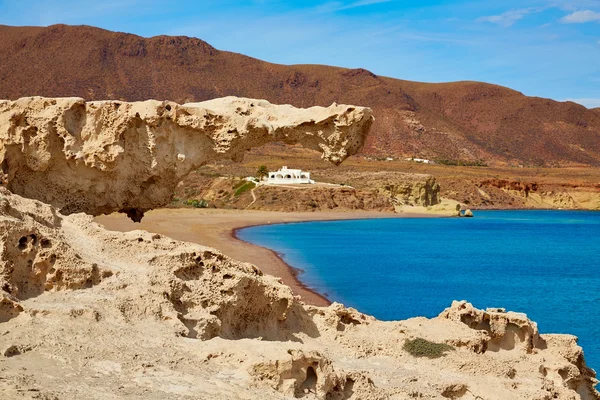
218	228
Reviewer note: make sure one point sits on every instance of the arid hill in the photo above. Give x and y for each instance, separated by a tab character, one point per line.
461	121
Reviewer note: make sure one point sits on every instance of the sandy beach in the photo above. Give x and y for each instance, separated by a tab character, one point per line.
216	228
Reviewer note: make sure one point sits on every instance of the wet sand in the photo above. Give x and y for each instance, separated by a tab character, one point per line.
216	228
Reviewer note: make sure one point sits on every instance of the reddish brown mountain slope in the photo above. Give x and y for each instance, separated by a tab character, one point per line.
454	121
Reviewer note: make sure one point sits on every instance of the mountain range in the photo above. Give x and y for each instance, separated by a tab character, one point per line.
458	122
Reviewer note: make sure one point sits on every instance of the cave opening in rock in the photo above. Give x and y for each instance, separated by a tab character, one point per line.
310	383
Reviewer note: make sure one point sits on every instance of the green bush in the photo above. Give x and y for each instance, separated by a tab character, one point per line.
420	347
244	188
196	203
262	172
238	184
462	163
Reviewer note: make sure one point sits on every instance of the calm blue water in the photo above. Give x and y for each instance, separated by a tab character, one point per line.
543	263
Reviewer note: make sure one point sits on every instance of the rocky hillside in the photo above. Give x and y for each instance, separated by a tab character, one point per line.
450	122
494	193
383	192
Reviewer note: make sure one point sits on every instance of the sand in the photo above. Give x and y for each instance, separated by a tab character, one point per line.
216	228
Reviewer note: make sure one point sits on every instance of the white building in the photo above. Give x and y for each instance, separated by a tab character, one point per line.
420	160
289	176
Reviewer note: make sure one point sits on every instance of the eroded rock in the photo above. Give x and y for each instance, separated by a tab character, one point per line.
505	330
105	156
34	255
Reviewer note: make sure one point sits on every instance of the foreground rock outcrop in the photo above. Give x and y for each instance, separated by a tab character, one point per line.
90	314
106	156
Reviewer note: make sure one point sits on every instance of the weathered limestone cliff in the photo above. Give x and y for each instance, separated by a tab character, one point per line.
506	193
401	188
105	156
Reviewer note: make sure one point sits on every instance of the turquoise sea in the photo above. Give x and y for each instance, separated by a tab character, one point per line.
543	263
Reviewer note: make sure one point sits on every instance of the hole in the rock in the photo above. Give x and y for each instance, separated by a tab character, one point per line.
310	383
347	319
22	243
168	107
46	243
190	324
52	259
564	374
33	238
348	388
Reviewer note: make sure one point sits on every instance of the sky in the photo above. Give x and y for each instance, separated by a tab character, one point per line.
545	48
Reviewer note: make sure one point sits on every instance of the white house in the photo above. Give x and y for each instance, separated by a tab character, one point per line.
289	176
420	160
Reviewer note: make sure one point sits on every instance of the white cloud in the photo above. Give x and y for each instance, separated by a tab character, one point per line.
339	6
580	17
589	103
510	17
574	5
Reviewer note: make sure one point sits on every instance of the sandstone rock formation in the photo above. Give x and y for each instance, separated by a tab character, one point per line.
105	156
90	314
401	188
533	193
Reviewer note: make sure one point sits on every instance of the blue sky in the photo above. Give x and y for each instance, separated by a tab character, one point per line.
546	48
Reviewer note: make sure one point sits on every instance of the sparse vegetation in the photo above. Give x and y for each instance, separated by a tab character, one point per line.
238	184
261	172
420	347
244	188
462	163
196	203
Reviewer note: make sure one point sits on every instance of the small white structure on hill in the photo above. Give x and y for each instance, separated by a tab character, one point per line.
289	176
420	160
